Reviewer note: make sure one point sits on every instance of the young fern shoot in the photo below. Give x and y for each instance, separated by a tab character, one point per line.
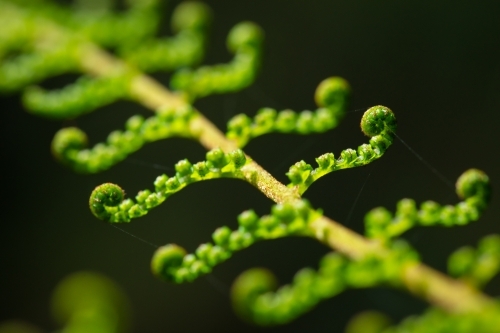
57	40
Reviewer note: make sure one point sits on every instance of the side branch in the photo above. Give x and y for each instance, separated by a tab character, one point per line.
423	281
419	279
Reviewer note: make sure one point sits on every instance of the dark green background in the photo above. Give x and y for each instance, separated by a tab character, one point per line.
436	64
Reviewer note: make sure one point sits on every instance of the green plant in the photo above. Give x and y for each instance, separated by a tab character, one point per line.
67	145
84	302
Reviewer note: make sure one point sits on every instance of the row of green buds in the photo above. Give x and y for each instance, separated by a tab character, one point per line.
107	201
83	302
190	21
102	26
472	186
331	98
172	263
436	320
477	266
245	41
17	33
32	67
112	29
128	31
85	95
69	144
256	297
378	122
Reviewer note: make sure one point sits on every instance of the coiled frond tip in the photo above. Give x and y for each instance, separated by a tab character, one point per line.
105	195
247	287
165	259
378	120
332	91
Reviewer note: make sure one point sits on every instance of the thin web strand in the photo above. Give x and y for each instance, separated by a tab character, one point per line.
289	159
148	164
351	211
427	164
134	236
218	284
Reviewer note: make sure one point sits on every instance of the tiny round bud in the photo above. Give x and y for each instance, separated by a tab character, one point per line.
244	34
248	219
172	184
203	251
299	172
348	156
326	161
191	15
221	235
285	212
239	123
166	260
201	168
473	183
238	158
378	119
142	196
184	167
134	123
285	121
107	194
217	158
378	217
66	139
332	91
247	287
490	244
368	322
461	261
160	182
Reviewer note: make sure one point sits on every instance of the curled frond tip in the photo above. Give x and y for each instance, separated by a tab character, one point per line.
473	183
105	195
378	120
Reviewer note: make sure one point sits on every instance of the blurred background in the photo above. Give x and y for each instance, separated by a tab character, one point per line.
435	64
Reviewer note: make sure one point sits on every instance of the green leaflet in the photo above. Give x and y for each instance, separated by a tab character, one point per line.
244	40
256	298
39	40
476	266
378	122
69	144
85	95
190	21
172	263
331	97
107	201
472	186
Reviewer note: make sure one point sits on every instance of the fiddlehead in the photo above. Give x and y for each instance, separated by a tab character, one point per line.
31	68
190	20
107	201
244	40
476	266
105	195
331	98
106	204
472	186
85	95
172	263
255	297
69	144
378	123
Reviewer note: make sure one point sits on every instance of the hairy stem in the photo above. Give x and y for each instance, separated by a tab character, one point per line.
419	279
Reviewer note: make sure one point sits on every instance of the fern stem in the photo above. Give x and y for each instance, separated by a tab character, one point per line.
421	280
425	282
